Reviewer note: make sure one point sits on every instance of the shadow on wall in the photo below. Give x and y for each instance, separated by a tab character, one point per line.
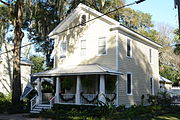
71	35
6	76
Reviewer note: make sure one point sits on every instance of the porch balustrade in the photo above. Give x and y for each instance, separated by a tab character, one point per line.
52	101
34	101
67	98
88	98
111	98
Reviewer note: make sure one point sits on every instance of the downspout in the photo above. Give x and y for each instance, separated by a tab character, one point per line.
117	51
117	67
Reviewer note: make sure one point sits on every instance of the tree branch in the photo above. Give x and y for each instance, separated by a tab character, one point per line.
5	3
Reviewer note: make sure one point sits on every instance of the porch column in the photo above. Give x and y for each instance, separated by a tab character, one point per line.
57	90
78	89
102	89
39	91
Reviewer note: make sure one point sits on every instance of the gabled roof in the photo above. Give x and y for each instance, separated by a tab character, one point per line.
75	12
77	70
62	26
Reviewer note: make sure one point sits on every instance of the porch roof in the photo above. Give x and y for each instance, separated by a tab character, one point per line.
165	80
77	70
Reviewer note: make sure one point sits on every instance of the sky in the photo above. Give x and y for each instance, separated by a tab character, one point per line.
162	11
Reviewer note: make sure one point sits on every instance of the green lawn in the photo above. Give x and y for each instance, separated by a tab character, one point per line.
168	117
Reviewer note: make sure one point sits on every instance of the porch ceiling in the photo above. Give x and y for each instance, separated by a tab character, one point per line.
77	70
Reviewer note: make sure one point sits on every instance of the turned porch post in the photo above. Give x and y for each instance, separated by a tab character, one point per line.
78	90
102	89
39	91
57	90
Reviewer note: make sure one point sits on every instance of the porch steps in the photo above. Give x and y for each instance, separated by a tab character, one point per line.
39	108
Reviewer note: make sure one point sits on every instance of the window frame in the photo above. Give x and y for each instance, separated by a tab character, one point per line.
150	55
129	73
152	86
64	55
101	46
130	52
83	48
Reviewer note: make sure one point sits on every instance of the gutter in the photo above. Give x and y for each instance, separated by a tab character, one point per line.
137	35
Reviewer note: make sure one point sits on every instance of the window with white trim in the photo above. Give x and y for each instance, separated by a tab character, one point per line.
63	49
102	46
151	86
83	47
129	83
129	48
150	55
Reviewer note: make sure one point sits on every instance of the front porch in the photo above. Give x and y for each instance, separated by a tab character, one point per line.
80	89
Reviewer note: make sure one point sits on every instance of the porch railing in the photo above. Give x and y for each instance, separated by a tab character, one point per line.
88	98
67	98
33	102
111	98
52	101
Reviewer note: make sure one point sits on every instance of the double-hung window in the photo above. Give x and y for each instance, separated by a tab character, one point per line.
129	48
151	86
83	47
129	84
150	55
63	49
102	46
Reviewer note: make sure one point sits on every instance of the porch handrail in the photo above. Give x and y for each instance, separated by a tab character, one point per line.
33	101
52	101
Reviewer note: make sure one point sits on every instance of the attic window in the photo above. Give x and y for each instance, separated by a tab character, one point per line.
83	20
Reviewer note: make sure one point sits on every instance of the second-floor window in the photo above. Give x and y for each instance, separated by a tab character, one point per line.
63	49
150	55
102	46
129	48
83	47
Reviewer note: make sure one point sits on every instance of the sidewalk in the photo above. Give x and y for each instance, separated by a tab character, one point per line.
23	116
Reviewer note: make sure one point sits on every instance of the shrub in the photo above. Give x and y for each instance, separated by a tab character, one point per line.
103	109
7	107
162	98
121	108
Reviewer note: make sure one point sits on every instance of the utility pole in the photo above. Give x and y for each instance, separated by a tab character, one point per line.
177	5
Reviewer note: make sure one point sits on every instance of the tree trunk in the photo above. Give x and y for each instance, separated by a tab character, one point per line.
2	37
18	34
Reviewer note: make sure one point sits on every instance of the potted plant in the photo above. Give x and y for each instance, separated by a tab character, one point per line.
47	91
67	83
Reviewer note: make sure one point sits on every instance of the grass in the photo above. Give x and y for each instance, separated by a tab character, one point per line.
168	117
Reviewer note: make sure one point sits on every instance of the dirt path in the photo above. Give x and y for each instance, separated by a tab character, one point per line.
23	116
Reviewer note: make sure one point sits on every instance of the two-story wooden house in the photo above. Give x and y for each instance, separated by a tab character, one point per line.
100	59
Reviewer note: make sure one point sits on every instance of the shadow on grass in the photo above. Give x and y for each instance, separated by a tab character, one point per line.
168	117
